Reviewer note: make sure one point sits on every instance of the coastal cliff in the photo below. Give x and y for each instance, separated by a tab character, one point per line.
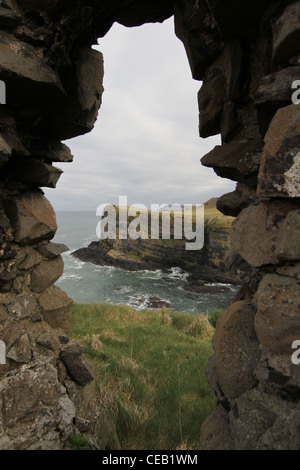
204	265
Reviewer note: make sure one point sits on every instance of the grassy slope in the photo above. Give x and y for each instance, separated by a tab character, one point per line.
150	370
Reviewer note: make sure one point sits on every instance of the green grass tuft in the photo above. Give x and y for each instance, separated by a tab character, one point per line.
151	372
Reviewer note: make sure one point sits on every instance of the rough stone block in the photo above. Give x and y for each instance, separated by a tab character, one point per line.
56	308
211	98
196	28
77	365
279	174
23	307
251	416
46	274
53	151
32	258
236	160
21	351
236	349
135	13
233	203
278	375
290	269
10	14
288	244
286	34
32	217
5	151
79	113
33	172
27	76
277	321
52	250
255	232
30	403
232	20
275	90
215	432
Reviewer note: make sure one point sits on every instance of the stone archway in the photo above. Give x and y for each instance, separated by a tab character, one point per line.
248	62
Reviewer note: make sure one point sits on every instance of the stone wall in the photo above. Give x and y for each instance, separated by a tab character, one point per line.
247	58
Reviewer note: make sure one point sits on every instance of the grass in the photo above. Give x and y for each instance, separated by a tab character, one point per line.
150	371
77	442
214	217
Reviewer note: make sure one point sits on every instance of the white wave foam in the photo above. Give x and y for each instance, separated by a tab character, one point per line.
178	273
67	277
78	264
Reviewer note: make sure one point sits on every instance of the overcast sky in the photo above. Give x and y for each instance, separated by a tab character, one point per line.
145	144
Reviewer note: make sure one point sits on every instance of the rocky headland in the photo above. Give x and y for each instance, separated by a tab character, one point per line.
204	266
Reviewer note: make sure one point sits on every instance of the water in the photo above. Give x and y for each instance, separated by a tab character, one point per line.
88	283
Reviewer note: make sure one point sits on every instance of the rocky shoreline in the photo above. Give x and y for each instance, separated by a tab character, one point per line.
201	278
205	267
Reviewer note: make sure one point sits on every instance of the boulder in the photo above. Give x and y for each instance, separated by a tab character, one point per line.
280	164
32	217
236	349
277	321
46	273
56	308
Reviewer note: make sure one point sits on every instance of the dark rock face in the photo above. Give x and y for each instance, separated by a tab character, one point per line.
246	56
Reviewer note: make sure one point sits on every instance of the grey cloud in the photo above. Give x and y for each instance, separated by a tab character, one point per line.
145	143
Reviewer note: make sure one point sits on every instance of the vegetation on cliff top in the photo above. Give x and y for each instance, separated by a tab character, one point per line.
149	253
150	371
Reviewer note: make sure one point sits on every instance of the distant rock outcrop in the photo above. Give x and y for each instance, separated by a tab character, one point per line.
207	264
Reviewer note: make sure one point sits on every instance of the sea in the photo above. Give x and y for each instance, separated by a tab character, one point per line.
86	282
